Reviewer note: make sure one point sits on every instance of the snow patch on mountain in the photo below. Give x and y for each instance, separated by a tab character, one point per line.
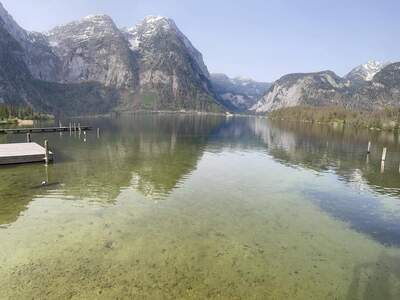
366	72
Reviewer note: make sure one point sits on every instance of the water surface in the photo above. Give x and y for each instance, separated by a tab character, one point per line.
196	207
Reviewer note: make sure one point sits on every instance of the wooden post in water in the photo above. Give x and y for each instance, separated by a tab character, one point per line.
28	137
98	132
47	173
74	126
384	154
369	147
60	125
46	153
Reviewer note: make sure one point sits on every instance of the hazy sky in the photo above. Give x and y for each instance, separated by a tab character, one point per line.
252	38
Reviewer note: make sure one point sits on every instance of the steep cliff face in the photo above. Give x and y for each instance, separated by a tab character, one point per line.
93	49
19	87
15	78
37	54
241	93
322	88
172	74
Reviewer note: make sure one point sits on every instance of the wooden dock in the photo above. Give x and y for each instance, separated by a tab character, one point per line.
23	153
44	129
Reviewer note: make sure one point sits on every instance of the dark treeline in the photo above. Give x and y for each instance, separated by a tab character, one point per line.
9	112
384	119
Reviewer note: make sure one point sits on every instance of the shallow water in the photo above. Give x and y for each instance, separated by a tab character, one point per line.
195	207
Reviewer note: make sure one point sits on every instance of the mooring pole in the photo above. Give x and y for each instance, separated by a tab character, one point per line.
28	137
384	154
369	147
98	132
46	153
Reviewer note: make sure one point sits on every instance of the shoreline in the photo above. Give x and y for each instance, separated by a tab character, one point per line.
188	112
339	123
387	119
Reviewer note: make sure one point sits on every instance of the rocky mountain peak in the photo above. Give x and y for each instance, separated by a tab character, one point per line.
365	72
148	28
157	22
158	33
93	49
93	26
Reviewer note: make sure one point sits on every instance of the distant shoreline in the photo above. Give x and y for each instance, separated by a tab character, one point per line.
387	119
186	112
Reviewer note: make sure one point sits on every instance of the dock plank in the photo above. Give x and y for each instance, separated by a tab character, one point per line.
18	153
38	130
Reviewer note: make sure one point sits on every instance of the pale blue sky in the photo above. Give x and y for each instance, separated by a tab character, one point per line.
253	38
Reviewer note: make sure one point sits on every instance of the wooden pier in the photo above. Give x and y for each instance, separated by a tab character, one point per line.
44	129
20	153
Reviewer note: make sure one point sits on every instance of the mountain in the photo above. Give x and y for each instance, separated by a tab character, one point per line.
383	90
319	88
241	93
365	72
150	66
326	88
94	49
172	73
37	54
15	78
18	86
389	76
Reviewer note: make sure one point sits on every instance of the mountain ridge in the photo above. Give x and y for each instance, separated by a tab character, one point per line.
380	88
164	71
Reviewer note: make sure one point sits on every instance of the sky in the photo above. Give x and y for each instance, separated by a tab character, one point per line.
259	39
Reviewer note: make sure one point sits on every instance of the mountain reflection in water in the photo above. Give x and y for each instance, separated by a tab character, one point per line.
155	154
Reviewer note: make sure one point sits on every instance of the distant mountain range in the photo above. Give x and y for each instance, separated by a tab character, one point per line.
370	86
91	66
241	93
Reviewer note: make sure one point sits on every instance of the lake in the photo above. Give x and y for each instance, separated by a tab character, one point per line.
169	206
